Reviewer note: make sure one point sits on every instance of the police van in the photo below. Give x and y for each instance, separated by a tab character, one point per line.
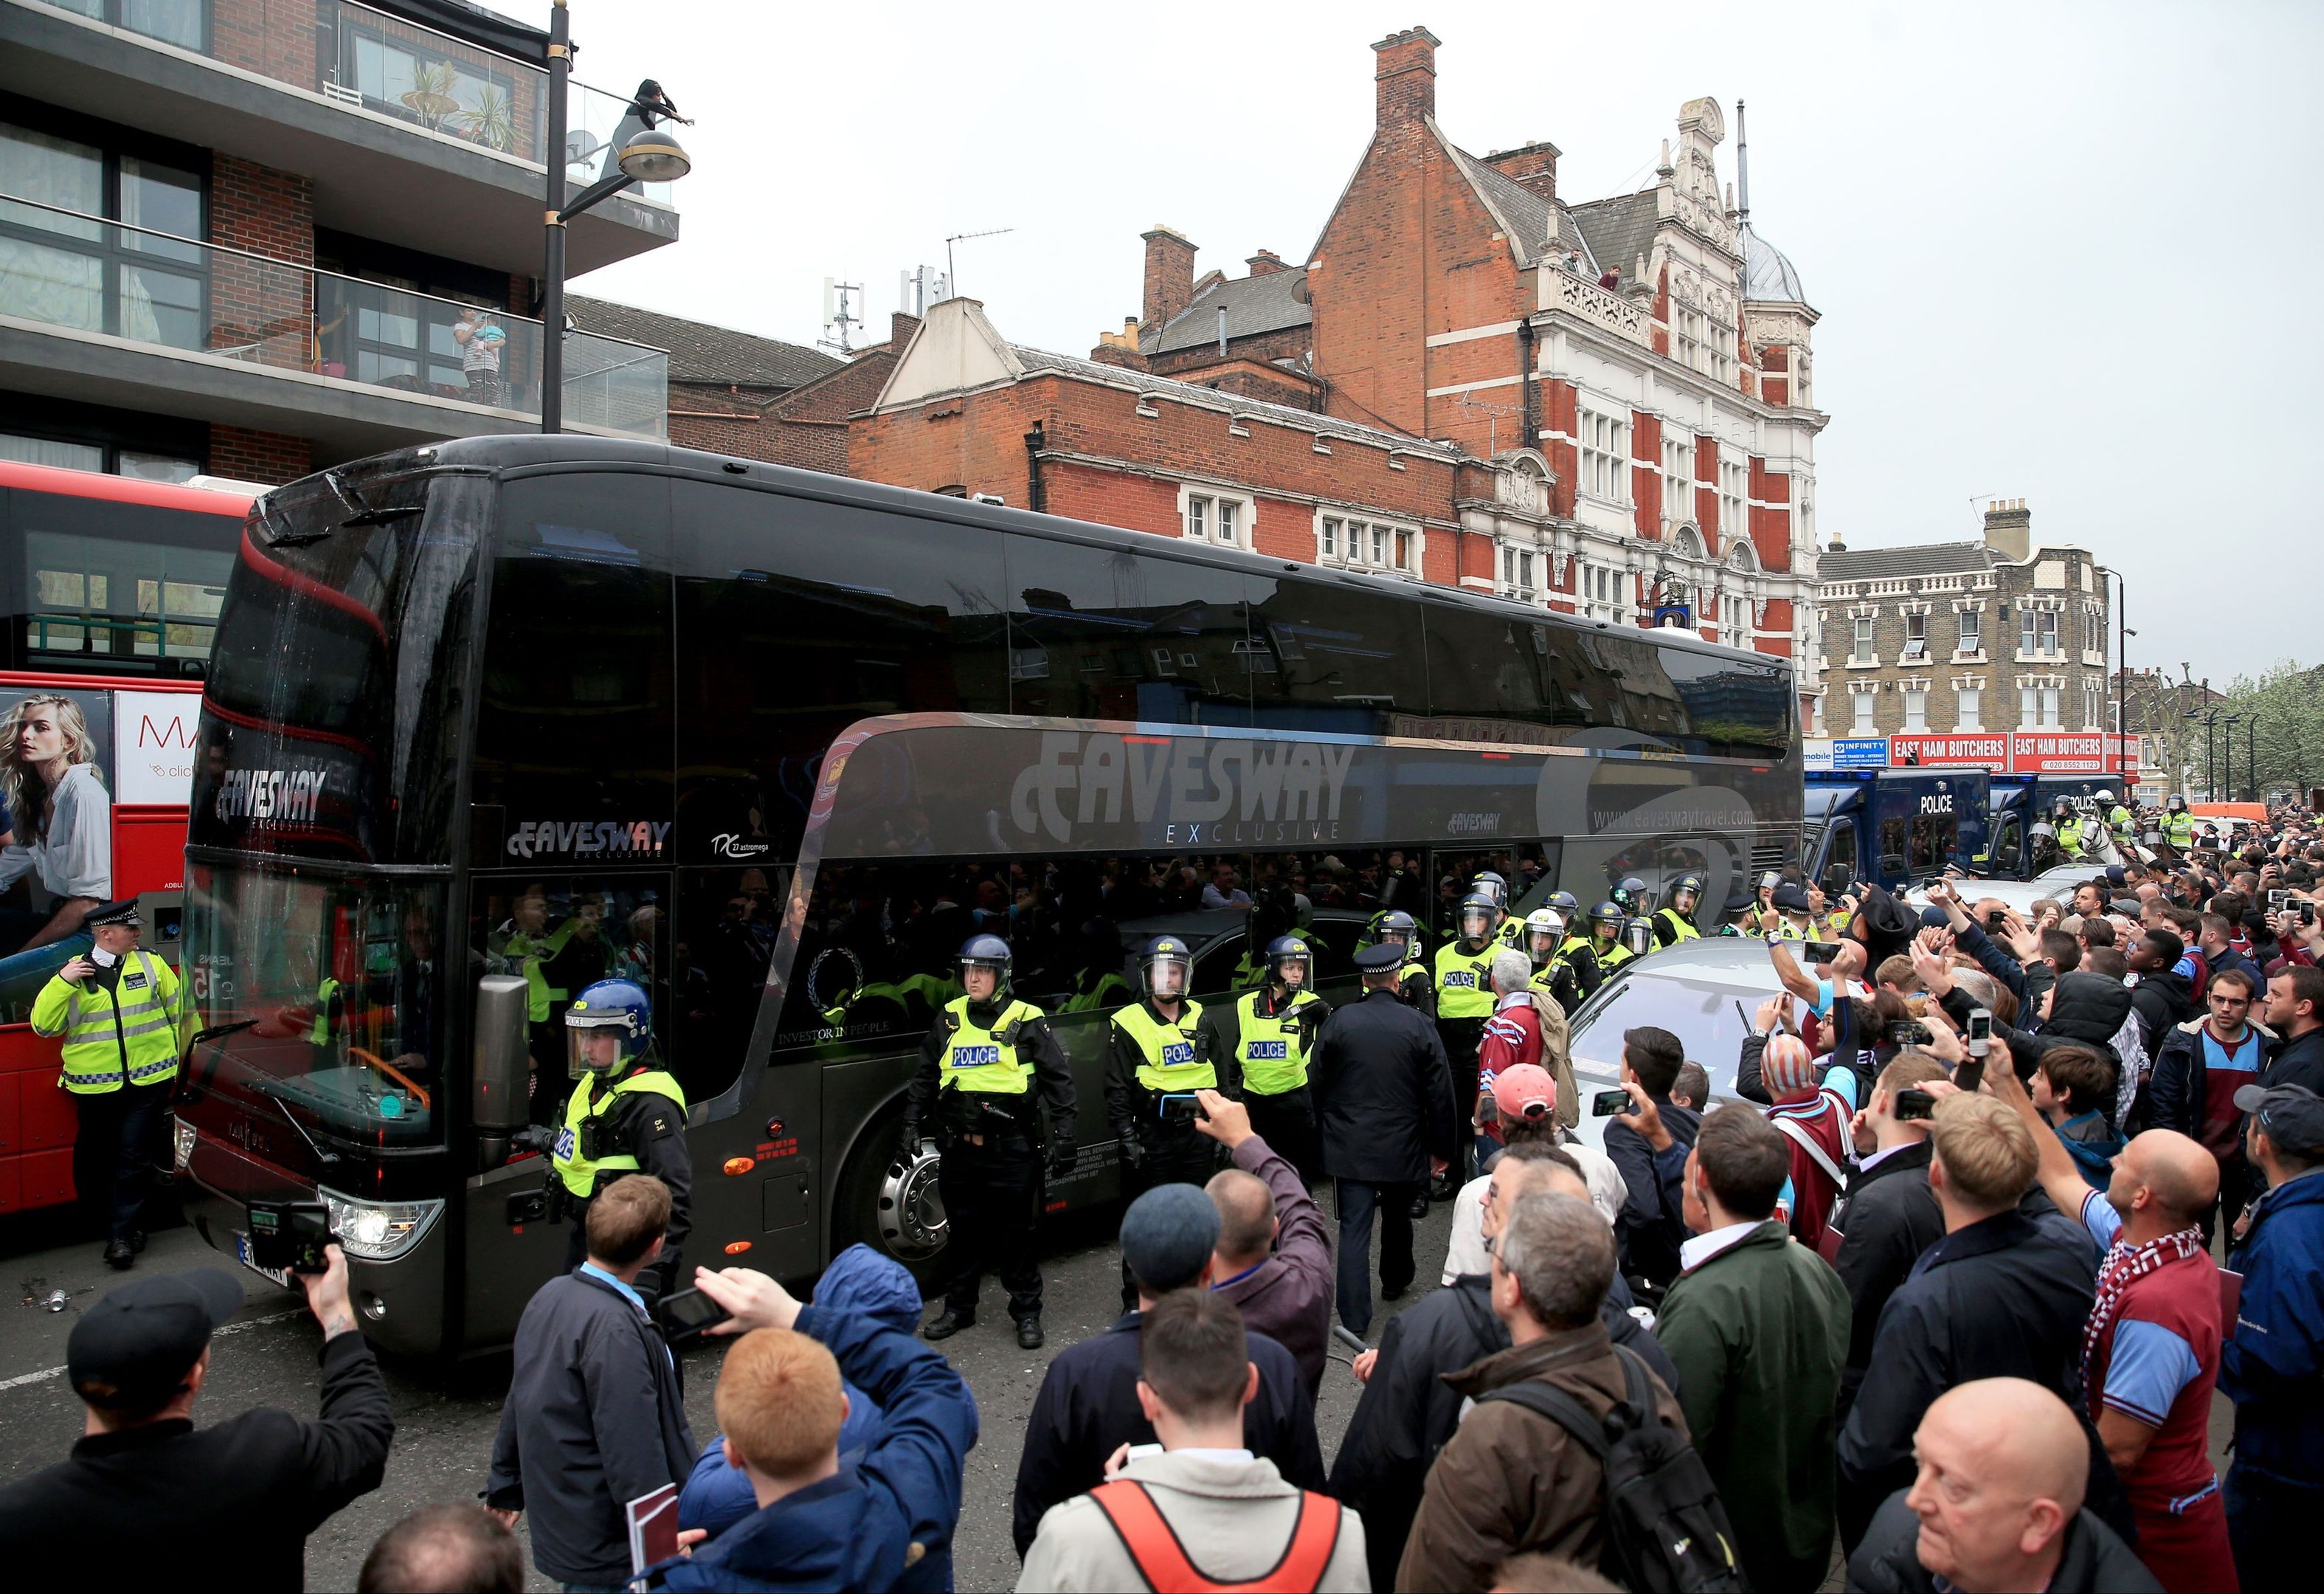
2020	800
1892	826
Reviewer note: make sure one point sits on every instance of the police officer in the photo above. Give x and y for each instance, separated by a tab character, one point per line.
1576	950
1464	995
1739	915
1606	946
2177	824
1794	914
1675	920
2119	819
1270	1034
1158	1055
627	1115
116	1007
1552	975
1416	985
978	1067
2067	825
1631	895
1506	930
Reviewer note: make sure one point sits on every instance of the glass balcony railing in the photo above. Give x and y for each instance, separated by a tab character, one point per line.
368	60
62	268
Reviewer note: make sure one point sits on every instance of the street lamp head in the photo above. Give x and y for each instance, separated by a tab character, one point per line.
652	155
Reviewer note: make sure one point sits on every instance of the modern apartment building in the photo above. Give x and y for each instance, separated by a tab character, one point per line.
240	238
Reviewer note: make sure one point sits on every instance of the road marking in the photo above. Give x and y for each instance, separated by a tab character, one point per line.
46	1373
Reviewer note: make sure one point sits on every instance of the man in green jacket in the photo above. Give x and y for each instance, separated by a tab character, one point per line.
1757	1328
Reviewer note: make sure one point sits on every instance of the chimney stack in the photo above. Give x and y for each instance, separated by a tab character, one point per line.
1170	275
1404	83
1533	168
2009	529
1265	264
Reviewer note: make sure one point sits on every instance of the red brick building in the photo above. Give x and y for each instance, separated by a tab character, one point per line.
1603	407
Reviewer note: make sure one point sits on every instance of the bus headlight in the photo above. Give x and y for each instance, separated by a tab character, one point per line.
379	1231
183	1133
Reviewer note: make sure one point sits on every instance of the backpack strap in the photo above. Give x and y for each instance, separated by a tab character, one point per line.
1791	1130
1559	1407
1162	1560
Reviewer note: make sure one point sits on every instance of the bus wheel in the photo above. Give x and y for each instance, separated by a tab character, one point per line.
893	1206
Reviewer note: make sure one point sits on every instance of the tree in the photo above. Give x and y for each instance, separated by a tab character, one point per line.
2281	731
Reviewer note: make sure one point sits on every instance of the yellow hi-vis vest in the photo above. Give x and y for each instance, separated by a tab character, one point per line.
1112	990
1168	1048
318	1034
1611	958
2179	830
580	1172
1464	982
982	1059
1269	1048
1680	926
126	1035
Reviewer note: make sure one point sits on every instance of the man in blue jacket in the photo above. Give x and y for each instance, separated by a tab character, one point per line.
2271	1365
781	1404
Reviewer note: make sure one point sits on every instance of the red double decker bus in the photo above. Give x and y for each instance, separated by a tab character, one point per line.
109	591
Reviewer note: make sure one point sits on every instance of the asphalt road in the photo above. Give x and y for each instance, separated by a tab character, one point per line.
444	1426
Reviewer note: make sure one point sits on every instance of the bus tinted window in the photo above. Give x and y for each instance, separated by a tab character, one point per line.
1740	707
801	617
1343	658
1106	633
573	734
1493	677
115	587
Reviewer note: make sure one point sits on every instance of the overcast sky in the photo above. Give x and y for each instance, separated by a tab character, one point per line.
2050	243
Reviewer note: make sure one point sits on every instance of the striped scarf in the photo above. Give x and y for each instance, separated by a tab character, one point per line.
2124	1265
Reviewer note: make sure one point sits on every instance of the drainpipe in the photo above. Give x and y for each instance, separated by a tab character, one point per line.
1526	383
1036	497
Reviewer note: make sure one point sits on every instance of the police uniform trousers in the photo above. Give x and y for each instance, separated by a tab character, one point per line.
1286	1122
116	1149
1462	1038
1183	1155
993	1202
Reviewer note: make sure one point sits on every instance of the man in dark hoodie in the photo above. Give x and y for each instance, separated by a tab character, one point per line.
2164	998
781	1403
1649	1150
1408	1411
2082	1009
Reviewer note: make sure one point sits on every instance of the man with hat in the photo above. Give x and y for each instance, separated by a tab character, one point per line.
1739	915
1794	919
1384	1109
2272	1365
116	1007
146	1496
1087	1412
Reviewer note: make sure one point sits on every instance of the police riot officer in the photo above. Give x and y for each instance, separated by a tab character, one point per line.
1415	984
116	1007
983	1055
627	1115
2177	824
1270	1034
2067	825
1464	996
1552	975
2119	820
1674	921
1631	895
1157	1056
1606	923
1506	930
1576	948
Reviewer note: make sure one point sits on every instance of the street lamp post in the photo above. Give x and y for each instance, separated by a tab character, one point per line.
650	154
2251	752
2227	745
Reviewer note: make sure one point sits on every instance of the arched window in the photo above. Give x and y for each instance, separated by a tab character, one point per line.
1687	542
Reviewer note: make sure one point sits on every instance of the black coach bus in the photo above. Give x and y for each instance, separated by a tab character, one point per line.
491	719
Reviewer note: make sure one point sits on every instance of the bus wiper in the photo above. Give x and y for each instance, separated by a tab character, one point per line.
373	517
292	1118
215	1030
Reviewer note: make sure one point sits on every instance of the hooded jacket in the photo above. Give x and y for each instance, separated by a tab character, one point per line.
2180	1084
2164	1000
2272	1365
856	1529
2086	1010
859	1280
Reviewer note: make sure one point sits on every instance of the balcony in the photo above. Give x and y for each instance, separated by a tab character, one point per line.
109	313
410	136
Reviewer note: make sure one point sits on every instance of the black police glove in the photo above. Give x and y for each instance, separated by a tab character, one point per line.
534	1138
907	1140
1133	1153
1061	1157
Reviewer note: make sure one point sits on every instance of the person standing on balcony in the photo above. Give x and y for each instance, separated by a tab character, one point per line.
481	341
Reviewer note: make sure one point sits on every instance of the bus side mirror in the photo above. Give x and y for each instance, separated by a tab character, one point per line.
1837	879
500	1088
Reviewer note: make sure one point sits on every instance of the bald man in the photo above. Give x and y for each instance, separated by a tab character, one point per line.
1995	1504
2151	1353
1273	1257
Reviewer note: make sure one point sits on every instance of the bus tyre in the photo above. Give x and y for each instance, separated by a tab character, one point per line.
892	1204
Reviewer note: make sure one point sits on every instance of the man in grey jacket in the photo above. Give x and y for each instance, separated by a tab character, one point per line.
594	1418
1205	1510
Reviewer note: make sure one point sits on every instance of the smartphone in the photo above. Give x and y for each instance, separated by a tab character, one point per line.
1179	1106
1909	1032
1980	1035
1138	1452
2308	912
1767	882
288	1237
688	1312
2276	899
1819	951
1607	1103
1914	1104
1971	1074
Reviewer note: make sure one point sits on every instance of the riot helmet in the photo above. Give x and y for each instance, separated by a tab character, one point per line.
1686	893
986	951
2176	803
1164	968
1477	915
1491	886
1606	921
1544	932
1395	927
1630	894
1290	962
1567	904
607	1028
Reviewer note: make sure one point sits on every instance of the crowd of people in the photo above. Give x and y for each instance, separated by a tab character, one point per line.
1934	1292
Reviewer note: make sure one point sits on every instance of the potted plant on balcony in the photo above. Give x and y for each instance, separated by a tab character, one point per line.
492	120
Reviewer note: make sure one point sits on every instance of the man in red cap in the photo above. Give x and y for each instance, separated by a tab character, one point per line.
1524	1109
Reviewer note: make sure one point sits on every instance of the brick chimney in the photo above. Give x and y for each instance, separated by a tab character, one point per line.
1265	264
1170	275
1534	166
2009	529
1404	83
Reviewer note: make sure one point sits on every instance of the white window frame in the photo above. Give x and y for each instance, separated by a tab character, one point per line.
1916	710
1678	479
1968	707
1605	453
1863	647
1865	724
1517	574
1354	534
1199	519
1969	631
1734	498
1917	647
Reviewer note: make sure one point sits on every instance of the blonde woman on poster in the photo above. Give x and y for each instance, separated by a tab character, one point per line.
60	817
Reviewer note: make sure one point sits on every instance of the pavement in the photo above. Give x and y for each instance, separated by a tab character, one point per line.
444	1422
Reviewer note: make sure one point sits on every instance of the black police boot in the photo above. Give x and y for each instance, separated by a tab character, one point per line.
947	1324
1419	1207
137	1242
1029	1333
120	1253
